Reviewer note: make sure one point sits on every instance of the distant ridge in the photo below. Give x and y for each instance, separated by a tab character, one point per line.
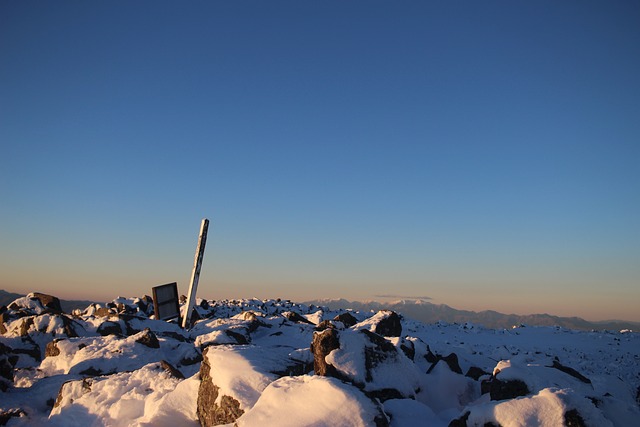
67	305
427	312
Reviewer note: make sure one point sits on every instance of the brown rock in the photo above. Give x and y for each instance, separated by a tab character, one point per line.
168	367
149	339
52	349
390	325
209	412
48	301
324	343
26	323
347	319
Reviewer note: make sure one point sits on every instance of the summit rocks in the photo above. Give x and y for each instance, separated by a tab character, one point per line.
261	362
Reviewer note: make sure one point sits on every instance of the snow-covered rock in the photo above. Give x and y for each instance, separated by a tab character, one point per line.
275	362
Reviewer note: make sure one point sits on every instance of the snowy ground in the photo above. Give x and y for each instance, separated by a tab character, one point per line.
249	363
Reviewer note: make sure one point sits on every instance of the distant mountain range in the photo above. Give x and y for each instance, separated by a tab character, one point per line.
427	312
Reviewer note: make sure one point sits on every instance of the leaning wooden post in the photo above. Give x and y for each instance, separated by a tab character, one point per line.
195	274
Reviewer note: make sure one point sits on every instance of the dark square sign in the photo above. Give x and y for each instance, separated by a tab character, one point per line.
165	301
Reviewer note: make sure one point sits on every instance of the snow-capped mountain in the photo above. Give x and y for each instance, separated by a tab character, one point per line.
279	363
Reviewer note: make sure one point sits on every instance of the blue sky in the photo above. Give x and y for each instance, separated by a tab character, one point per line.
482	153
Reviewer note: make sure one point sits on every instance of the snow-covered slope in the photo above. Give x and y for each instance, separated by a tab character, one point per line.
274	362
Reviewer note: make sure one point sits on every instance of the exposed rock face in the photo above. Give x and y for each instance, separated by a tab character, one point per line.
210	413
171	369
389	325
295	317
475	373
148	339
501	390
366	360
347	319
451	360
324	343
3	329
572	418
25	325
7	362
52	350
48	301
109	328
5	416
408	348
567	370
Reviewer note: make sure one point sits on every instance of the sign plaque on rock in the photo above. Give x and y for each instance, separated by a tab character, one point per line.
195	274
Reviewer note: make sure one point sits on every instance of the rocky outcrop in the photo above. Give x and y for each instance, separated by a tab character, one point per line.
509	389
109	328
389	325
52	350
347	319
48	301
148	338
5	416
211	410
451	360
570	371
324	343
8	360
367	360
292	316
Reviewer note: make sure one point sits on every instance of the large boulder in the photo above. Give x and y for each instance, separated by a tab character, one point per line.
229	385
48	301
385	322
323	344
367	360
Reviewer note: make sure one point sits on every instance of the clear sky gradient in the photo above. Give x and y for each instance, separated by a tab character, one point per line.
484	154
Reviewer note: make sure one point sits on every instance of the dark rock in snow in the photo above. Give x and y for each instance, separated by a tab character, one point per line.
92	372
48	301
408	348
25	325
567	370
191	360
390	325
7	362
109	328
451	361
460	422
324	343
209	412
52	349
68	385
103	312
3	329
148	339
295	317
475	373
5	416
240	338
347	319
502	390
572	418
325	324
171	370
69	326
